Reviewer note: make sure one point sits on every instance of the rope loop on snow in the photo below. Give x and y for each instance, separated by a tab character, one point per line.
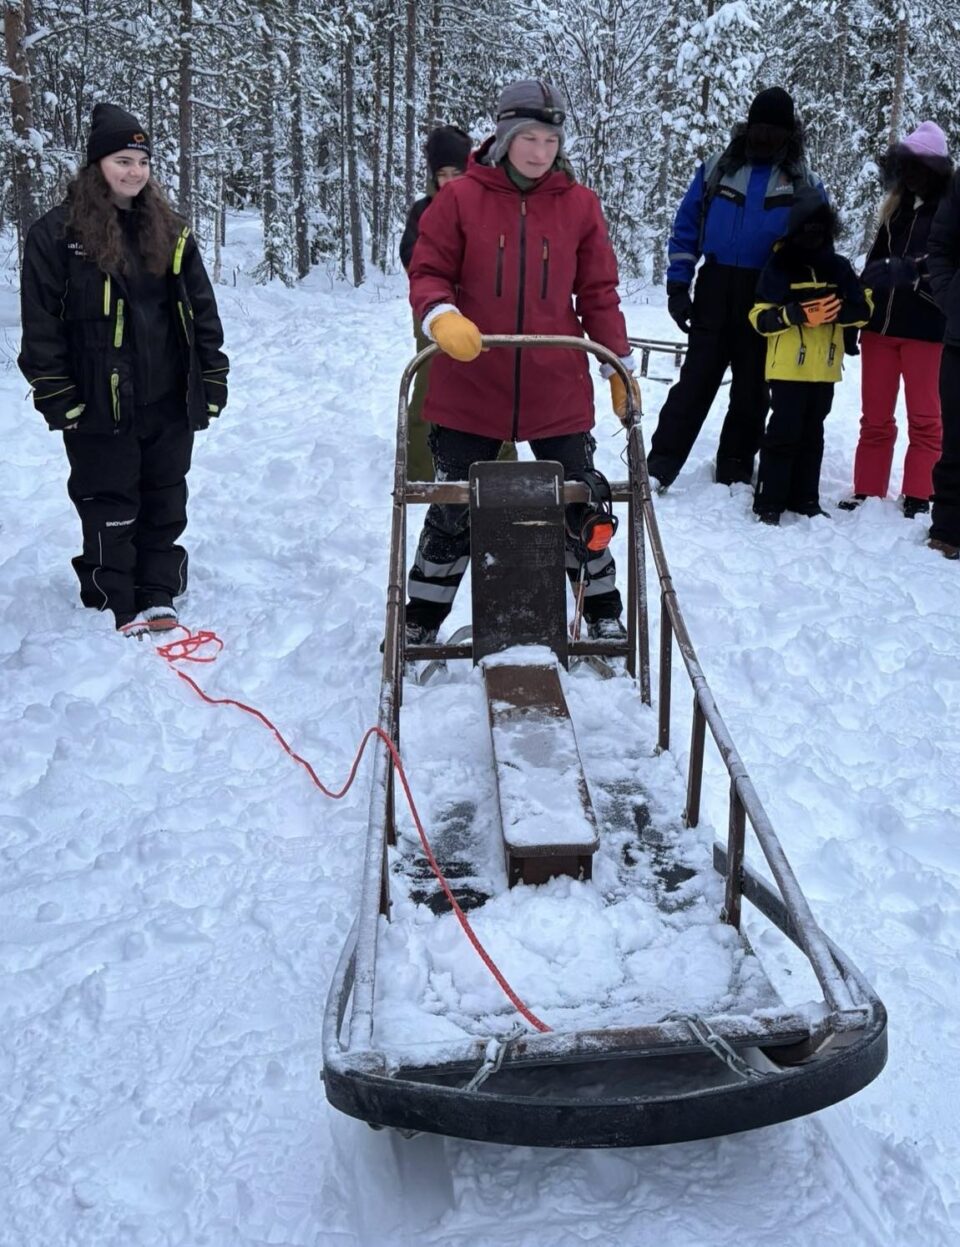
186	648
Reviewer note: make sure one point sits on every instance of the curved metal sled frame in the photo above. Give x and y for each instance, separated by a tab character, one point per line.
683	1078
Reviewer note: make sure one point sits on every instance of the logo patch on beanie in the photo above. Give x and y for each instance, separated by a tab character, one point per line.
139	138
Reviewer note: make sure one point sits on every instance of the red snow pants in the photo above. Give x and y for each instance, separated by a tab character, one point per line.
883	361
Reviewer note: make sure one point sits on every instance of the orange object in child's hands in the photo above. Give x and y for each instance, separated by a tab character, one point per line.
821	311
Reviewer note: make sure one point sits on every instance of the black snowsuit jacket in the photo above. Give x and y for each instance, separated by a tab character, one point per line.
943	260
904	312
411	230
77	345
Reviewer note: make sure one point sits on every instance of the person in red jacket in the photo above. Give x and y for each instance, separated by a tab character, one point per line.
516	245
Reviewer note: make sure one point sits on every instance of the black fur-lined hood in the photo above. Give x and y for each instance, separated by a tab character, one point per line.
735	153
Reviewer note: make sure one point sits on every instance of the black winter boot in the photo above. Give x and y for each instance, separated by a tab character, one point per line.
915	506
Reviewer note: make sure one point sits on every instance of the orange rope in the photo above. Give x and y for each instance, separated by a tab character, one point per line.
185	650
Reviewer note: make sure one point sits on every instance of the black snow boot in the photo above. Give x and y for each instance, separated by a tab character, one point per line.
915	506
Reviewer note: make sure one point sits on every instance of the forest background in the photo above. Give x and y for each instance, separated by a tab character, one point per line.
314	112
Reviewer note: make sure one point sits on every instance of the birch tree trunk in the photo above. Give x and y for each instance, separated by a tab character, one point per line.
353	186
376	148
185	101
343	172
899	73
298	153
436	60
388	176
410	115
269	198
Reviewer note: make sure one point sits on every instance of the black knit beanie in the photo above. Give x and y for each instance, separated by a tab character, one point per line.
772	107
113	130
447	145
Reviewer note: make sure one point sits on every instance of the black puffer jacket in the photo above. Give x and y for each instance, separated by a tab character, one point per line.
906	312
411	231
943	260
77	345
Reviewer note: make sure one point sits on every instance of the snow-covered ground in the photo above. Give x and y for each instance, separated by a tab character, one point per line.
176	892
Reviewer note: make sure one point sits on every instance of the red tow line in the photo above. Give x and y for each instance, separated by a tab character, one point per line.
186	650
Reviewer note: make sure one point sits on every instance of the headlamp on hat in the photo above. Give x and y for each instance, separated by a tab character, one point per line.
548	116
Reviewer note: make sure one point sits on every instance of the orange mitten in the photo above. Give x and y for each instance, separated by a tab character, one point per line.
618	396
456	336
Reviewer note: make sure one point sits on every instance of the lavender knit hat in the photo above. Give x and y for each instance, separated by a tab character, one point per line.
522	105
927	140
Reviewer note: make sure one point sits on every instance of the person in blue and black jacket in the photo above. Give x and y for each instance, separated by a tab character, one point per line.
735	210
122	346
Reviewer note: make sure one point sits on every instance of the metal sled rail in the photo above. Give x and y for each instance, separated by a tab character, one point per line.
681	1078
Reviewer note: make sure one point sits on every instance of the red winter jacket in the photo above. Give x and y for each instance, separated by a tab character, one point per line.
535	261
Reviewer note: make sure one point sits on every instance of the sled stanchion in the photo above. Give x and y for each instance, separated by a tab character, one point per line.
633	582
666	664
736	837
698	727
638	620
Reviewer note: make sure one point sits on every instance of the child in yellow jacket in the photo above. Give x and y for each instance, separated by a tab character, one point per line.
806	295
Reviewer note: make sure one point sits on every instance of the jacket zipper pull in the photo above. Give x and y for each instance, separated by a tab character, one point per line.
115	398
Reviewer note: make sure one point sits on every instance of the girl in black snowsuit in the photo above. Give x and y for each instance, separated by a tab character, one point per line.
122	349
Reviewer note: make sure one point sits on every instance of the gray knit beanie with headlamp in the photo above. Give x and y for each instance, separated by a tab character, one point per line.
523	105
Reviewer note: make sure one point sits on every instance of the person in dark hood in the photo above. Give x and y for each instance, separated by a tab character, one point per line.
735	210
517	245
447	152
806	295
903	341
122	348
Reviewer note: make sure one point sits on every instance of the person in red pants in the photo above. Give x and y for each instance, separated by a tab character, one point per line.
903	339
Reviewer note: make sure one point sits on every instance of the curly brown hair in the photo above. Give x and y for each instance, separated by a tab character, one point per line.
92	218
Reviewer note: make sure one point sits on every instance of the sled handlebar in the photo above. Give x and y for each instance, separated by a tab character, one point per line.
561	341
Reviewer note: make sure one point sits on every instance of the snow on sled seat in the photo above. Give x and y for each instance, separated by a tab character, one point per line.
546	816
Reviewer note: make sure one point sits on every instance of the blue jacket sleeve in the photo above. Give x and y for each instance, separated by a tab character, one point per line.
684	246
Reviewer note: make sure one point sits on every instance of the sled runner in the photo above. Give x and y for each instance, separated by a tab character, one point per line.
620	924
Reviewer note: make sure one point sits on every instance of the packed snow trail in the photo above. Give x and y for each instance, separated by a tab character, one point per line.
176	893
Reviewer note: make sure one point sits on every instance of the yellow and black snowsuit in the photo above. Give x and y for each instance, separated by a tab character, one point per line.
800	352
804	362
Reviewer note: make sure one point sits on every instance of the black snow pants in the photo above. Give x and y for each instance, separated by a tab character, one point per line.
945	515
443	553
130	492
721	336
792	449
